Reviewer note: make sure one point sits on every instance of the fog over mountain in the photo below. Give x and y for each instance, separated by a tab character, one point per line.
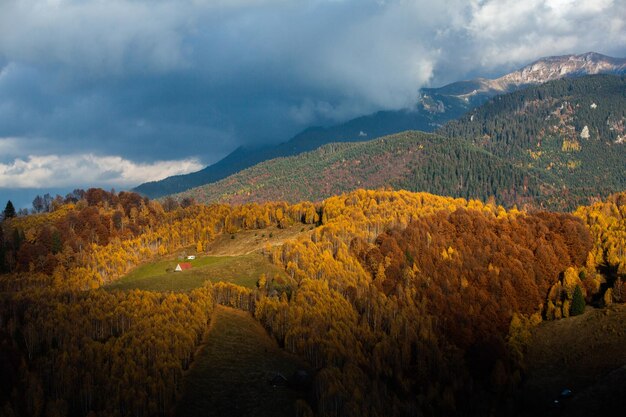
118	93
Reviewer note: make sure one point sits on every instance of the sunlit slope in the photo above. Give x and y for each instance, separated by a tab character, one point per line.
243	270
235	258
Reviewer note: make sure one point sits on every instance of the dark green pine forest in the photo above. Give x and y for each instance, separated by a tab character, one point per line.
570	132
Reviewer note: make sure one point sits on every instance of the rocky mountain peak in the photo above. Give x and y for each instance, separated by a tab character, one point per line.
474	92
552	68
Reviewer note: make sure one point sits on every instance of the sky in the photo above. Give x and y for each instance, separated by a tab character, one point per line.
114	93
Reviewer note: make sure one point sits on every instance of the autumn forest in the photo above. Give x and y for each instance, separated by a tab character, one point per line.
399	303
322	208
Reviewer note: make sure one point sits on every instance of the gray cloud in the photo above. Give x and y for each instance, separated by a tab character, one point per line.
144	82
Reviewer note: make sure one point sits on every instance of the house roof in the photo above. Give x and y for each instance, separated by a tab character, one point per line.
184	266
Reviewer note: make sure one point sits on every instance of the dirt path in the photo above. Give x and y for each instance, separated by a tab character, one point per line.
230	375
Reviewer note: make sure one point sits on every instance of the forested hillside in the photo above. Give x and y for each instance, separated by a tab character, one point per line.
553	146
69	347
434	107
573	129
362	128
410	160
402	303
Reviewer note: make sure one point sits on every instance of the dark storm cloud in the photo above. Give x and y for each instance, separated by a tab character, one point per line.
161	87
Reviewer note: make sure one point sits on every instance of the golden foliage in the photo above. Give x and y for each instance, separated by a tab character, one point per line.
570	146
401	300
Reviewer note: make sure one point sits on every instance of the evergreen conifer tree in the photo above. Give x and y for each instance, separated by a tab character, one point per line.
578	302
9	210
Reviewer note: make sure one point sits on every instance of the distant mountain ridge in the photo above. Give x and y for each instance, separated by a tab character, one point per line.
435	107
362	128
555	67
553	146
473	93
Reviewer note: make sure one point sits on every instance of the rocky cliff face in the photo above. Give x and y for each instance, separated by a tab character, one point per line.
552	68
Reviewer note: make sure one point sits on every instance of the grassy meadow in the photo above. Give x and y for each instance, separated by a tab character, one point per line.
229	375
242	270
229	258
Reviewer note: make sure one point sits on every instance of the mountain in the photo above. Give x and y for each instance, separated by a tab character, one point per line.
435	107
472	93
555	67
359	129
573	129
555	145
410	160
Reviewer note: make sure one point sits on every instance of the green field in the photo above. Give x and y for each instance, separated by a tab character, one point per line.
242	270
229	376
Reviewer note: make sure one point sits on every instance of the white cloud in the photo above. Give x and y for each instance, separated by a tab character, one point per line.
516	32
87	169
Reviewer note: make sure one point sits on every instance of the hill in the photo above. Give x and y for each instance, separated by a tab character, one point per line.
400	303
554	146
435	107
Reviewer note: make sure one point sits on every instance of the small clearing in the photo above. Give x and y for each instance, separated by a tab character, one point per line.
586	354
229	376
234	258
243	270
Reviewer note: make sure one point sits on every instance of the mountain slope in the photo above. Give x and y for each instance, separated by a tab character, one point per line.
523	148
574	129
435	107
359	129
410	160
592	346
472	93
